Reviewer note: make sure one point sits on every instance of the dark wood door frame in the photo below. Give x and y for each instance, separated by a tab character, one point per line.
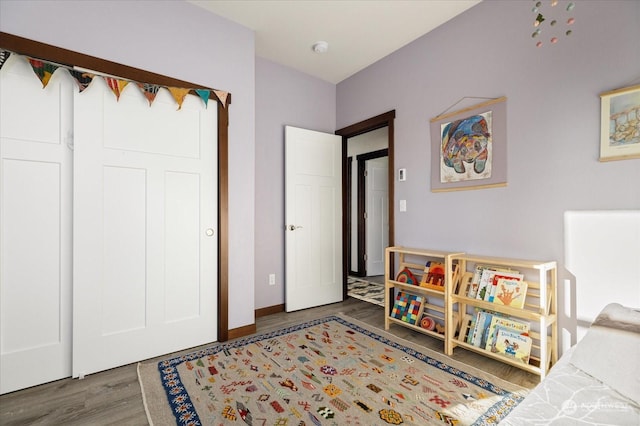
61	56
348	212
362	207
383	120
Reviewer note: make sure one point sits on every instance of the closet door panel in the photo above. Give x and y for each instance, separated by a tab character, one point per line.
35	226
182	245
124	250
144	227
176	135
31	264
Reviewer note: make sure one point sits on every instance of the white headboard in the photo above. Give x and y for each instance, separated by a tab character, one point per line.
602	251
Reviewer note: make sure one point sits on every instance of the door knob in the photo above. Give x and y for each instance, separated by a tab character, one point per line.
293	227
209	232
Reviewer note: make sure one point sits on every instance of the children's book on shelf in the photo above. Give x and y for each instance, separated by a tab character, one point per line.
513	344
407	277
510	292
490	294
407	307
502	322
472	326
486	279
433	277
482	280
475	281
480	329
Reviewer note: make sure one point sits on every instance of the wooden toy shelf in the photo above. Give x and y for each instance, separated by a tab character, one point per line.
435	306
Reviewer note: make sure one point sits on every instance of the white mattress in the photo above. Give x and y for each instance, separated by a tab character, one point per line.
569	396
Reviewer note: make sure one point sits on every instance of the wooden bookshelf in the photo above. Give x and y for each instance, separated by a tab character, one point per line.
540	309
453	310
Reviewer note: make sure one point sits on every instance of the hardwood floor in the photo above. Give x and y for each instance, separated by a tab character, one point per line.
113	397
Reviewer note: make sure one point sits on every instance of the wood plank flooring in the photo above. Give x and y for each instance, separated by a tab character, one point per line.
113	397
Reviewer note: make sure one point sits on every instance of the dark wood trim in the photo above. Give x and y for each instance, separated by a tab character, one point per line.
374	123
62	56
223	222
362	206
242	331
373	155
345	233
349	213
269	310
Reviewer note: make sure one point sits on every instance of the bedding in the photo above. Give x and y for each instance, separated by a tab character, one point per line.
596	382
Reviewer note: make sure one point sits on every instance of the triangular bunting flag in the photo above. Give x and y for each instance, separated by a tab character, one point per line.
82	78
178	94
204	95
222	96
4	55
44	70
116	85
150	91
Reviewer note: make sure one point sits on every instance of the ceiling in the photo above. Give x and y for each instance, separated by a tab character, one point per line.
359	32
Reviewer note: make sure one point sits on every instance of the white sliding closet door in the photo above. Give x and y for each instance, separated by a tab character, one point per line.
145	237
35	226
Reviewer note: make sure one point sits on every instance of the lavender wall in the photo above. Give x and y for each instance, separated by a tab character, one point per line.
179	40
283	97
553	125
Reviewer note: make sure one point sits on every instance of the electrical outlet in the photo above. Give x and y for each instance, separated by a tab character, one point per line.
272	279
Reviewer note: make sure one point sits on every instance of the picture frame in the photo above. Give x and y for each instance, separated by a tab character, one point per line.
620	124
469	147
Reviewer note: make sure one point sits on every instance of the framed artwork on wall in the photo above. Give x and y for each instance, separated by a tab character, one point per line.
620	124
469	147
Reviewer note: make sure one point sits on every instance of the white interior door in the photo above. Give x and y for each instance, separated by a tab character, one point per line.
377	217
144	218
313	218
35	226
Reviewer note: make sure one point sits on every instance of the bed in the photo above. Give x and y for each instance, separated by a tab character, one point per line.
596	382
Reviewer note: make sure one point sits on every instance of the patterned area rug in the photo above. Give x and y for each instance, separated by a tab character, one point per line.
330	371
366	290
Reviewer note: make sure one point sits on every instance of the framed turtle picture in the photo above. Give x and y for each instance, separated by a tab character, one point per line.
620	124
469	147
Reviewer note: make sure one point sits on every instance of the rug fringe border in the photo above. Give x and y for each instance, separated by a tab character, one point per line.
144	395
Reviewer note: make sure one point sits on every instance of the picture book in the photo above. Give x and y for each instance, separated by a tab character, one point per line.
475	281
485	281
513	344
407	307
472	326
510	292
507	323
481	328
490	294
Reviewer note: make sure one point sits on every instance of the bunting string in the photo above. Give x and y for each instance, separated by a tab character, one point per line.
45	69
